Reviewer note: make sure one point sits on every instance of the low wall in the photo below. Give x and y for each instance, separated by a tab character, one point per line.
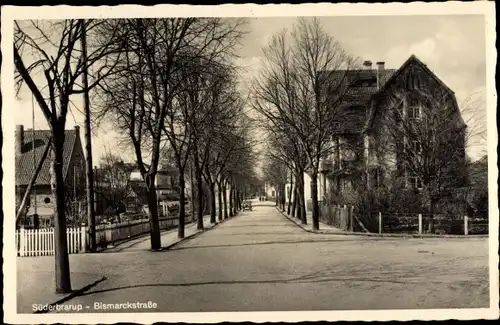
115	233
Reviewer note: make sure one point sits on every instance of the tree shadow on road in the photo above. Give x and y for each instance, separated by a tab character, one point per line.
316	277
293	242
284	225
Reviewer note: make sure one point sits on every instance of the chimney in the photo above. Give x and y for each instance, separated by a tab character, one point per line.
380	68
367	65
19	139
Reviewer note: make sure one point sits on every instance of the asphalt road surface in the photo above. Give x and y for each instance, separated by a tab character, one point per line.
260	261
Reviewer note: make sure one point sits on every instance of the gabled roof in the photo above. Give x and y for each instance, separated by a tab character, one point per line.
25	165
394	76
411	59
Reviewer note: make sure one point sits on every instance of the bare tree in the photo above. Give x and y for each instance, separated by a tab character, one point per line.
426	139
48	61
223	138
301	91
239	170
113	182
150	99
275	173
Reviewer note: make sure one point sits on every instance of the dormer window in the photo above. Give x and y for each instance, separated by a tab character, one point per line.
370	82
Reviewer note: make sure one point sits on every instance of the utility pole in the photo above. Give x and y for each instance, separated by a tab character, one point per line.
88	145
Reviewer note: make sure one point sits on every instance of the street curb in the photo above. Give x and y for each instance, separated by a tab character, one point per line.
144	235
72	295
361	234
197	233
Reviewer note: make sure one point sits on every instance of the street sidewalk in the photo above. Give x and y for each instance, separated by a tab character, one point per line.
35	286
168	238
35	275
323	227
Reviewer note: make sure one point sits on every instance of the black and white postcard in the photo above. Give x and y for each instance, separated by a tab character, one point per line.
249	163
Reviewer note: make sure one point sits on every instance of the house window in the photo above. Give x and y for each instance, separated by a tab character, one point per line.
272	193
413	82
415	182
414	112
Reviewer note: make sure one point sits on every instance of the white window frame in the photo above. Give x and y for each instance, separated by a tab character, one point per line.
415	182
416	112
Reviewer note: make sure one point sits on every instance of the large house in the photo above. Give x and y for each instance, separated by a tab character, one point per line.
366	150
167	186
30	146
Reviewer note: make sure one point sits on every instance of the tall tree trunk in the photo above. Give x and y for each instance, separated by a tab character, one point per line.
182	206
199	186
236	201
88	148
193	194
231	201
221	203
212	202
224	194
302	199
295	201
62	271
152	200
236	194
283	197
314	197
431	216
290	195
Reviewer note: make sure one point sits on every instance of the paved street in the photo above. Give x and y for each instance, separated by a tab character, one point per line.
260	261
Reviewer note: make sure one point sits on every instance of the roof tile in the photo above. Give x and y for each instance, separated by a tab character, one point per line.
25	161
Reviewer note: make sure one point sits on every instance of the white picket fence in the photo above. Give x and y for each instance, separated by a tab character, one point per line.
40	242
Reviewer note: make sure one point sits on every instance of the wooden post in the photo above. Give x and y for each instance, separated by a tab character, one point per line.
349	217
351	212
88	144
380	222
466	225
83	241
22	242
420	224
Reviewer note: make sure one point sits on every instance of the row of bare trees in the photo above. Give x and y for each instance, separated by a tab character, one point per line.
298	100
168	85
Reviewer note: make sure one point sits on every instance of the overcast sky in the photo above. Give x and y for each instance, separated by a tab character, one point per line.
451	46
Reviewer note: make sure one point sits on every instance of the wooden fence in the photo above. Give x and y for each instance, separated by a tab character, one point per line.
40	242
341	217
346	218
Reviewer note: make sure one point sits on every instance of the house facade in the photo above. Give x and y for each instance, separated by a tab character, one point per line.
30	146
270	191
386	118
